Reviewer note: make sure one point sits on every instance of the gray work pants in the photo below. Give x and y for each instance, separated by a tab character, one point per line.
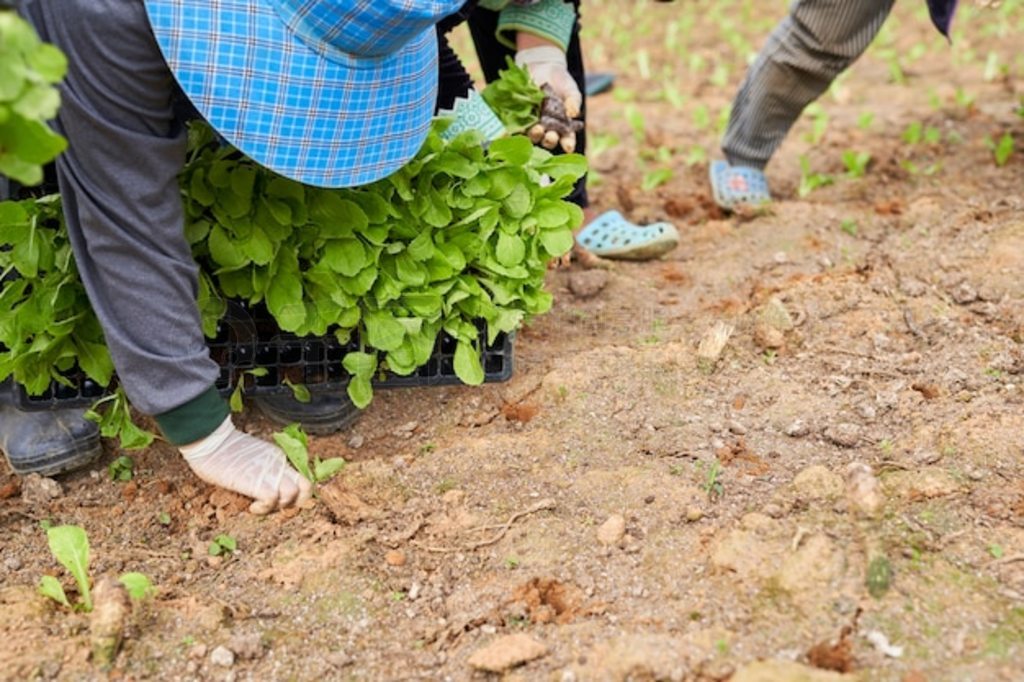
804	54
118	180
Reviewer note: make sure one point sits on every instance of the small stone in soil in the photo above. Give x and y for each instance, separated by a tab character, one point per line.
694	513
395	557
817	482
965	294
507	652
247	647
588	283
223	657
844	435
612	531
798	429
36	489
863	490
12	563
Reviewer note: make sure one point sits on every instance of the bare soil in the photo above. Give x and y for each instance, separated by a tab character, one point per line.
637	512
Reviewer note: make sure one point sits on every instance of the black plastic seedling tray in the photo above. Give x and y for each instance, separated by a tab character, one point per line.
249	339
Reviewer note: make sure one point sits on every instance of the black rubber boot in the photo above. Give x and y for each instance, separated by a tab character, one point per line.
47	443
325	414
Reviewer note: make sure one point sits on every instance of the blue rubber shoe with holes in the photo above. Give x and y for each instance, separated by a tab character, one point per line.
610	235
735	186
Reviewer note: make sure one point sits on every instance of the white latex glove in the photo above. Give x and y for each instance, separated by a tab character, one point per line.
235	460
547	65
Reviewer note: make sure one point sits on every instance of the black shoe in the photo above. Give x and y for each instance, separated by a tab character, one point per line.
325	414
47	443
598	83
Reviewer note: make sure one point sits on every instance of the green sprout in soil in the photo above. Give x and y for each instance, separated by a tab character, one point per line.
656	178
222	545
295	444
712	484
1002	149
70	547
122	469
809	180
856	163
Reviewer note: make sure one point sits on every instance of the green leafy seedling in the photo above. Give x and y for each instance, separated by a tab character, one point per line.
295	444
656	179
299	391
514	98
222	545
856	163
913	133
114	416
1002	149
122	469
138	585
236	395
163	518
849	226
712	484
810	181
70	547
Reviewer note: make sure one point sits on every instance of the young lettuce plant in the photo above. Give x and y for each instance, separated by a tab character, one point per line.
70	547
295	444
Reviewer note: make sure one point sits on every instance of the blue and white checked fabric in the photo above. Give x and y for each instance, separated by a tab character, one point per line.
333	93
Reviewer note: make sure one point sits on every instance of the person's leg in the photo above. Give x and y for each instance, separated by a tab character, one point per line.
125	219
123	209
453	81
809	48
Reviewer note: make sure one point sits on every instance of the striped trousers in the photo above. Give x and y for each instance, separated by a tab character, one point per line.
804	54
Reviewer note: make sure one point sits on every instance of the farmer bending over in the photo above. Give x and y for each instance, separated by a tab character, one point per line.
544	37
332	93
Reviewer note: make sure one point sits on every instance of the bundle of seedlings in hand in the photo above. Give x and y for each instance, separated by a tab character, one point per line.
539	112
557	125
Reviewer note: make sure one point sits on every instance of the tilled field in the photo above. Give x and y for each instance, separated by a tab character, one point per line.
834	490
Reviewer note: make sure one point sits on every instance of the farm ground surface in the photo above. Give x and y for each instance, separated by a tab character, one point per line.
623	509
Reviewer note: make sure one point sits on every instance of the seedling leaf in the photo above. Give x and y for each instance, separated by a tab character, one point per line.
70	546
51	587
138	585
326	469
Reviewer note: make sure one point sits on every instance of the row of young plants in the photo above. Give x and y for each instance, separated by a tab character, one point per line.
462	235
